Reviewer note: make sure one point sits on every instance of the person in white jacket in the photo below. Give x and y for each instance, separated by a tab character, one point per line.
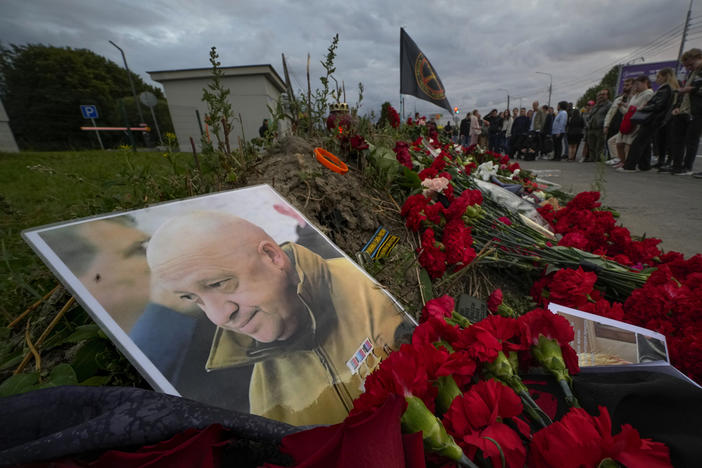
643	92
620	105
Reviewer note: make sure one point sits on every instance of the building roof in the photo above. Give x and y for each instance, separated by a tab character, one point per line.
243	70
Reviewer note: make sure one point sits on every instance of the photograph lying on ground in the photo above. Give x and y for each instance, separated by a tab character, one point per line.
232	299
600	341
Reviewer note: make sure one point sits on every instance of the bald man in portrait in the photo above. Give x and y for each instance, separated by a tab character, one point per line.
311	327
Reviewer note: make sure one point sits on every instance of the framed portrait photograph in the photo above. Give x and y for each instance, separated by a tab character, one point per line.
233	299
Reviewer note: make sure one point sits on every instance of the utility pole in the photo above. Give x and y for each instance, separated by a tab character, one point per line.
550	85
131	83
684	33
506	91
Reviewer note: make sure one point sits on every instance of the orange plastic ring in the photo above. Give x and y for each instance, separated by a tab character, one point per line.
330	161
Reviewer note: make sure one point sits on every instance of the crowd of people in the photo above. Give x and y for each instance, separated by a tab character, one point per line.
625	132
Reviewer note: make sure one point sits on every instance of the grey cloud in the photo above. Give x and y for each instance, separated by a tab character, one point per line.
476	47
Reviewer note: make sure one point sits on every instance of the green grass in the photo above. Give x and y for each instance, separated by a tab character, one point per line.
48	187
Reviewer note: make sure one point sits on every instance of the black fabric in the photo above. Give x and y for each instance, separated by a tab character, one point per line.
640	149
685	137
465	127
656	108
661	407
548	124
418	77
70	421
61	421
575	124
557	146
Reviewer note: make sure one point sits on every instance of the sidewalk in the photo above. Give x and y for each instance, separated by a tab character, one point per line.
651	203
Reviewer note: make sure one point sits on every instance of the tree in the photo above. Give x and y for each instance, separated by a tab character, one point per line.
608	81
43	86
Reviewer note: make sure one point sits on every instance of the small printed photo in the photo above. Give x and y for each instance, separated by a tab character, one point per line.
651	349
232	299
600	341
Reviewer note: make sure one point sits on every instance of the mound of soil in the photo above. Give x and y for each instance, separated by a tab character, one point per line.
344	207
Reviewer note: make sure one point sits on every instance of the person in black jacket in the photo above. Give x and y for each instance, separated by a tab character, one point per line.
574	130
657	107
495	127
464	131
520	128
547	141
687	116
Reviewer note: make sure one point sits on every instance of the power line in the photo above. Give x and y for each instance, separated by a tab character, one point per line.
664	39
651	49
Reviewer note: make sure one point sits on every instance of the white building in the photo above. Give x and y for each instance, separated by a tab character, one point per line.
7	139
253	88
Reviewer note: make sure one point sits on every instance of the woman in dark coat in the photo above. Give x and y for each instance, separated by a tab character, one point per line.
658	107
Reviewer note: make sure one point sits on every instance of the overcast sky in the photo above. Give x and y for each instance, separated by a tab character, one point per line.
477	47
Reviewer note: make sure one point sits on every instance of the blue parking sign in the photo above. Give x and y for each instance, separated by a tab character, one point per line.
89	112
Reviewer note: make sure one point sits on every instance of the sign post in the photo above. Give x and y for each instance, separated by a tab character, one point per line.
90	112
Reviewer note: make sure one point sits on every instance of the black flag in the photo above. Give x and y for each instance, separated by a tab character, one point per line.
417	77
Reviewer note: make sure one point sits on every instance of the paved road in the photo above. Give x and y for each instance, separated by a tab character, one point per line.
657	205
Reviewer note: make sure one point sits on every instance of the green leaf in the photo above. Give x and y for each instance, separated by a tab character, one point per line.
63	374
425	285
13	359
409	179
550	268
19	383
82	333
85	363
96	381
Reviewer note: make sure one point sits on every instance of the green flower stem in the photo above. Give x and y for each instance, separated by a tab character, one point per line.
448	391
417	417
608	463
458	319
548	353
502	369
570	399
534	410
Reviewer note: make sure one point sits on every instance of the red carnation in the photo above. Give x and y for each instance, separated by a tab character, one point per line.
506	330
579	439
585	201
407	371
402	154
479	343
505	220
494	300
477	416
538	322
439	307
413	211
358	143
431	256
574	239
571	287
458	243
458	207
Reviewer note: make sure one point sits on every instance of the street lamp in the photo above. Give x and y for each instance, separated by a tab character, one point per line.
550	85
131	83
506	91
